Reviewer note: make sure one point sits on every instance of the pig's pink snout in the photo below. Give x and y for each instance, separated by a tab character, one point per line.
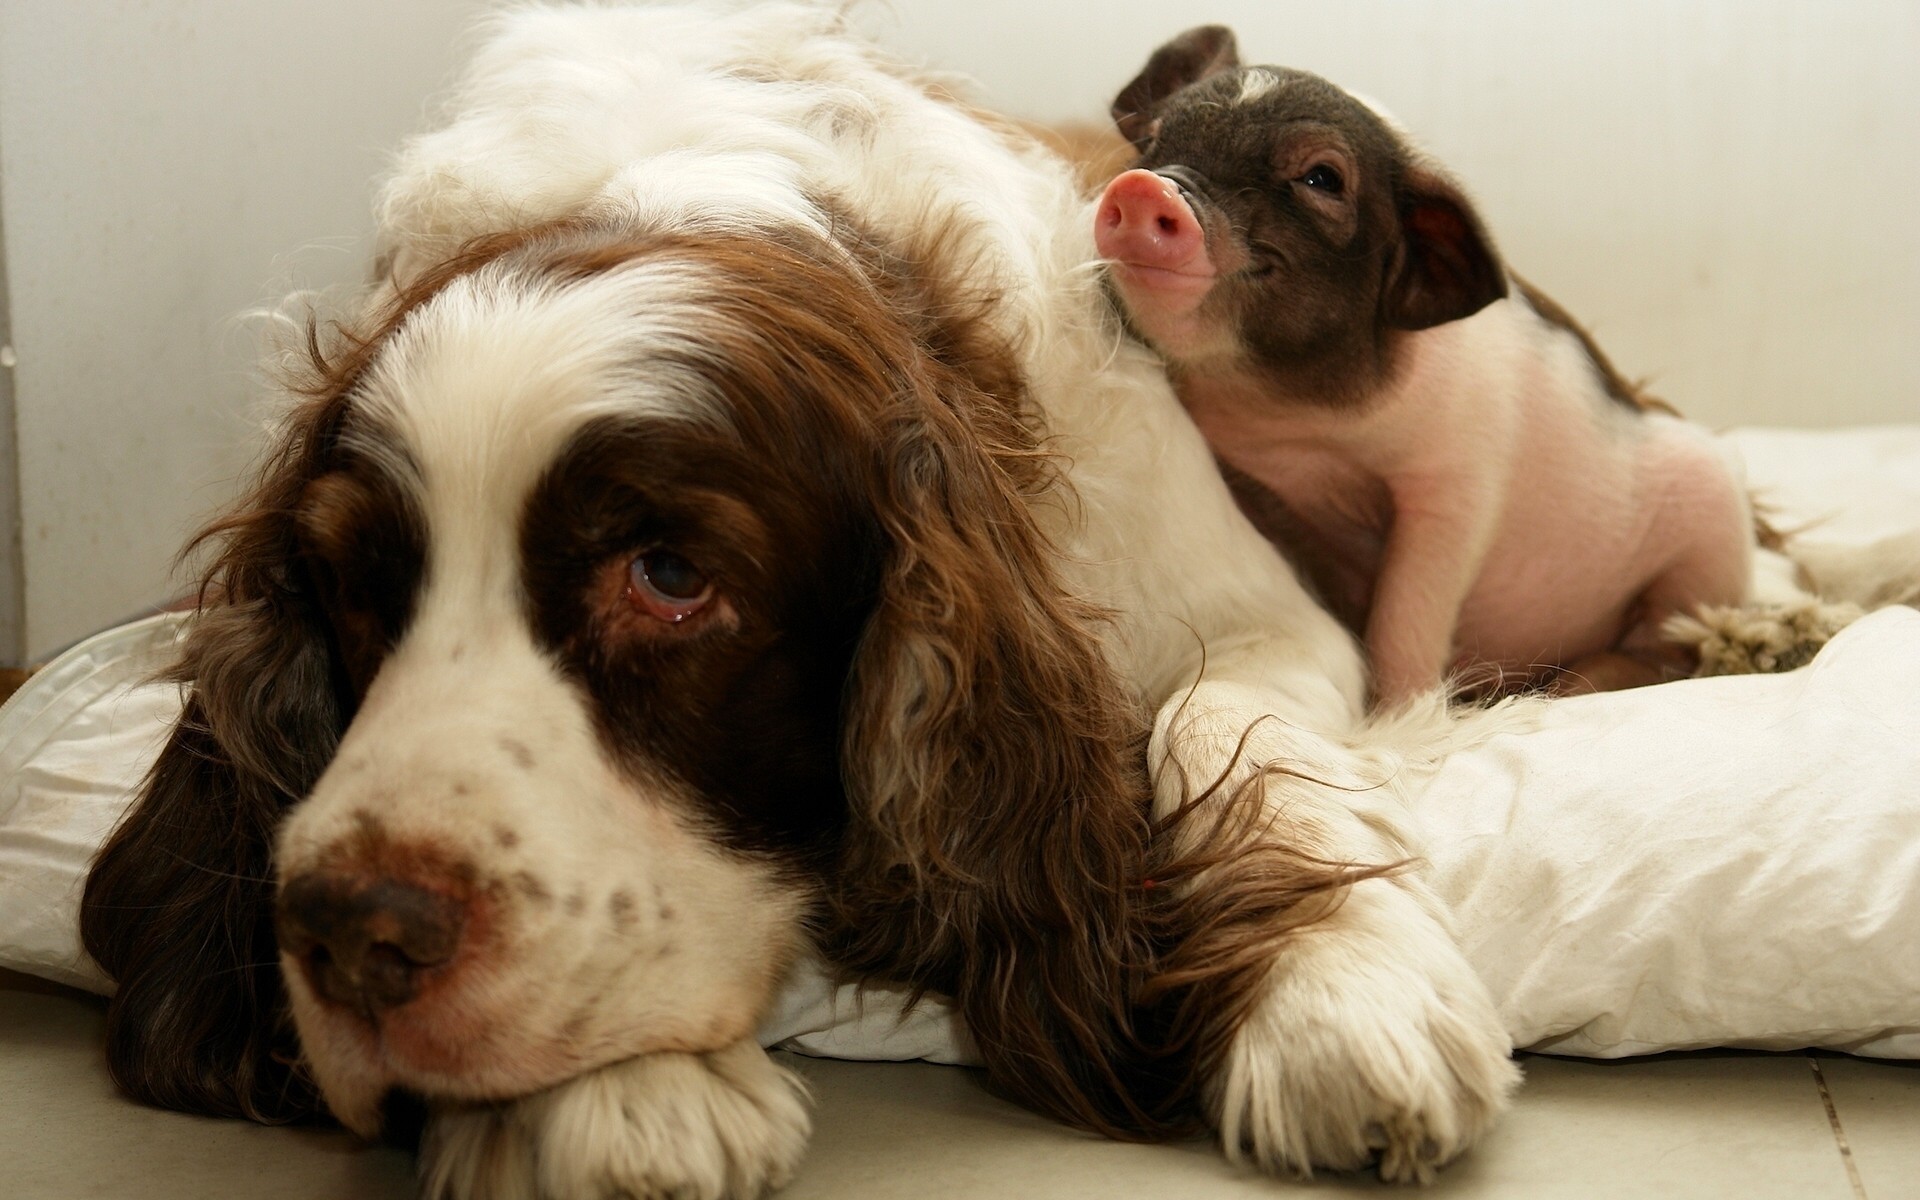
1144	221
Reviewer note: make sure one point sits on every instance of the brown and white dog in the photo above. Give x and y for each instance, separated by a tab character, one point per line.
1462	471
738	531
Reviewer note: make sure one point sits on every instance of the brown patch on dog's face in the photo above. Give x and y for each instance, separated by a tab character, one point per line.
742	697
1331	236
363	542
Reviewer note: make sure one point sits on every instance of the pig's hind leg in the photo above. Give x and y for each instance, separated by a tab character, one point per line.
1609	671
1708	526
1738	609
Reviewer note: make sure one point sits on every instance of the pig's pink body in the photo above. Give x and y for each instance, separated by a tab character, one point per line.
1495	504
1490	503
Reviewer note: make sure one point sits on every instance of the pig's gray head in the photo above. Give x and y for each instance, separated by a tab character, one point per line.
1278	225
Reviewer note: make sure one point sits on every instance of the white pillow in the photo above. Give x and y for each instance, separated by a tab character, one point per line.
1729	861
1715	862
75	742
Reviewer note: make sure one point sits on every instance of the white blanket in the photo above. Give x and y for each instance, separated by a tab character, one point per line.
1729	862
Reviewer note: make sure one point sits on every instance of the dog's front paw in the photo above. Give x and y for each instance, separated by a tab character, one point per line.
728	1125
1759	639
1374	1043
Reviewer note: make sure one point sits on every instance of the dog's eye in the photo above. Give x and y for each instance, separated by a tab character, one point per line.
1323	178
666	586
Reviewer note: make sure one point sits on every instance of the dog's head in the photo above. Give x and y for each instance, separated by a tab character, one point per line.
619	613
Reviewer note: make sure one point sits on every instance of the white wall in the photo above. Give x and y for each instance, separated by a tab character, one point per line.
1724	190
165	164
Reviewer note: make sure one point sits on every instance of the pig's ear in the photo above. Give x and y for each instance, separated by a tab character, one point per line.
1446	267
1193	56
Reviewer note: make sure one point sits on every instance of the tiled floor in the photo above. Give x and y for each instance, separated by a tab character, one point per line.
1750	1126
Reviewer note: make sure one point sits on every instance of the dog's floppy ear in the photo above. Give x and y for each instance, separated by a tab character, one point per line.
1198	53
178	905
996	772
1446	267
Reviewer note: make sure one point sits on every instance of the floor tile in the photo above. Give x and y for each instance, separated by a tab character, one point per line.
65	1134
1676	1127
1684	1127
919	1130
1878	1104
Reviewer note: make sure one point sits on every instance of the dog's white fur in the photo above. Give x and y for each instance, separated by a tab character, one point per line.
1374	1038
477	728
692	1127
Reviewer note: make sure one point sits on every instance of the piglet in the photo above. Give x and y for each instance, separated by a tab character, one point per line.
1459	469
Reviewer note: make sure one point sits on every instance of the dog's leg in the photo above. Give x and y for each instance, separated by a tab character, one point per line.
1874	575
1759	639
725	1125
1370	1039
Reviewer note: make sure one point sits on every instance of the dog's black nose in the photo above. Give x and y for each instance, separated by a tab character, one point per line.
365	943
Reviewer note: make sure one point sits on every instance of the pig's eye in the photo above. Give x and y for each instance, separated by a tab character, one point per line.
1323	178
